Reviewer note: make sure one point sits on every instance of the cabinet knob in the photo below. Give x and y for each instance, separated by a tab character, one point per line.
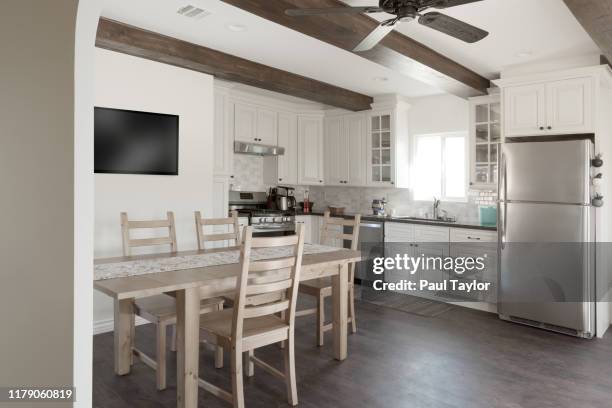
541	127
320	181
280	179
550	127
232	176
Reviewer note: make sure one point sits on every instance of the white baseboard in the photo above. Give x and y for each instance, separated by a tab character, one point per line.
107	325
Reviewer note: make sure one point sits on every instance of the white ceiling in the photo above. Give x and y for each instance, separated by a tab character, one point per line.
544	28
265	42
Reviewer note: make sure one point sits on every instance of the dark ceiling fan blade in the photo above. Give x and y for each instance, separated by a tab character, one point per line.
453	27
331	10
442	4
376	35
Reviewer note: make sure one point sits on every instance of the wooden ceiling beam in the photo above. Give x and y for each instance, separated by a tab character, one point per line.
127	39
596	18
396	51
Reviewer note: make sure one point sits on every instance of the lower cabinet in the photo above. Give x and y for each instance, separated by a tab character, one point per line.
311	225
433	241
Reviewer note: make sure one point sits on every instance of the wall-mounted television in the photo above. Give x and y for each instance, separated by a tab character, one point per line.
132	142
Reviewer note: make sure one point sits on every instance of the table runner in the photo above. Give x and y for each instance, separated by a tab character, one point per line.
154	265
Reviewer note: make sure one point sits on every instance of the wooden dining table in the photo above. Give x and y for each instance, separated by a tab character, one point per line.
189	285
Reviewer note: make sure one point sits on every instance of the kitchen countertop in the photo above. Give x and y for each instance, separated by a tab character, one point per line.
370	217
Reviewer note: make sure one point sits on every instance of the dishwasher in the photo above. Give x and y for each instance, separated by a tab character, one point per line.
371	245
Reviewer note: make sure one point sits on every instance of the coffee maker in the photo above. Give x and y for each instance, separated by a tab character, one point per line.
282	198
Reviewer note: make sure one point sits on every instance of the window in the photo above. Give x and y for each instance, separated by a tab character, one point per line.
440	167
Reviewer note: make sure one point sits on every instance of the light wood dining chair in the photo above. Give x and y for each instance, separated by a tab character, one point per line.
251	324
202	223
160	309
322	288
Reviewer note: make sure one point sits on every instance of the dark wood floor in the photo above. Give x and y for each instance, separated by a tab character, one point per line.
461	358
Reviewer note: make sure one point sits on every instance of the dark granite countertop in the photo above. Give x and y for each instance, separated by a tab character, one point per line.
459	224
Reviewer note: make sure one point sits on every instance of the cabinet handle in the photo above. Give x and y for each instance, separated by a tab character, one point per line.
320	181
476	238
550	127
280	179
541	127
231	176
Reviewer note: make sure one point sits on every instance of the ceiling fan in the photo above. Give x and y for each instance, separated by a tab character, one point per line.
405	10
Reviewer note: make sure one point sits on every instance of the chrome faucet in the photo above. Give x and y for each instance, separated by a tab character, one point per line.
436	205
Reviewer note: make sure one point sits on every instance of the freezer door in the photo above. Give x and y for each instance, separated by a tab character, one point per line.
546	264
551	172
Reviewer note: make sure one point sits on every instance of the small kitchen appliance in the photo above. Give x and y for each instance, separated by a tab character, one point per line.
378	207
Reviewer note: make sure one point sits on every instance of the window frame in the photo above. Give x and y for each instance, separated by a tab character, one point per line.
466	170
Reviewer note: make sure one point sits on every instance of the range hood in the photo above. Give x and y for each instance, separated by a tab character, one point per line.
258	149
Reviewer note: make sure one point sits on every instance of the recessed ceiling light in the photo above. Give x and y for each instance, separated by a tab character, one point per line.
380	79
524	54
237	28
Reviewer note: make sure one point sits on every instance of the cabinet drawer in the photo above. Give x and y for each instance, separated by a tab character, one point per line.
426	233
399	232
467	235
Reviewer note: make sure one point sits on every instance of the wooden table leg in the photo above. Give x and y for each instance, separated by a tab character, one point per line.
124	315
340	300
188	347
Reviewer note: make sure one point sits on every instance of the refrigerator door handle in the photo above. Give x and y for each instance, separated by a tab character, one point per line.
504	205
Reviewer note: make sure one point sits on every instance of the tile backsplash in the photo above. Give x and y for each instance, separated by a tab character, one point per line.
399	201
248	175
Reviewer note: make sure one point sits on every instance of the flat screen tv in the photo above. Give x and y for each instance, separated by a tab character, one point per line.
131	142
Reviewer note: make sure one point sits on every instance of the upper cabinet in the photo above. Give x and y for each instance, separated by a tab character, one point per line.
563	106
380	150
485	138
345	144
253	124
310	149
287	164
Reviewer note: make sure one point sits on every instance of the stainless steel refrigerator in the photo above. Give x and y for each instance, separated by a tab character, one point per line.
546	230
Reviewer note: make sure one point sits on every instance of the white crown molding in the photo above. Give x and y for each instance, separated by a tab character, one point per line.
602	72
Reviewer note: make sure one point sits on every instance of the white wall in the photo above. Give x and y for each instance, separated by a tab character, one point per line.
438	114
132	83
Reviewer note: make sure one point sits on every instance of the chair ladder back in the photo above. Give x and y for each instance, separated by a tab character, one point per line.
327	234
129	243
203	238
278	284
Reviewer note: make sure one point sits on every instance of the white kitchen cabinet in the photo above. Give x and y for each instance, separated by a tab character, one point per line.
223	143
345	146
477	244
336	152
356	130
524	109
245	122
570	106
388	144
310	150
287	164
254	124
548	108
485	141
267	127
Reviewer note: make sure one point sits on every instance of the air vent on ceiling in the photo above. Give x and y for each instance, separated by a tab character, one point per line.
192	12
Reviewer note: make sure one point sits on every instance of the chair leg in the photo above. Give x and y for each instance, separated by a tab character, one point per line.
161	356
132	338
320	320
173	338
290	379
250	371
352	309
237	382
219	349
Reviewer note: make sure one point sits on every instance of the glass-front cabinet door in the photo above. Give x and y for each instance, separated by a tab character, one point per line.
485	134
380	150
